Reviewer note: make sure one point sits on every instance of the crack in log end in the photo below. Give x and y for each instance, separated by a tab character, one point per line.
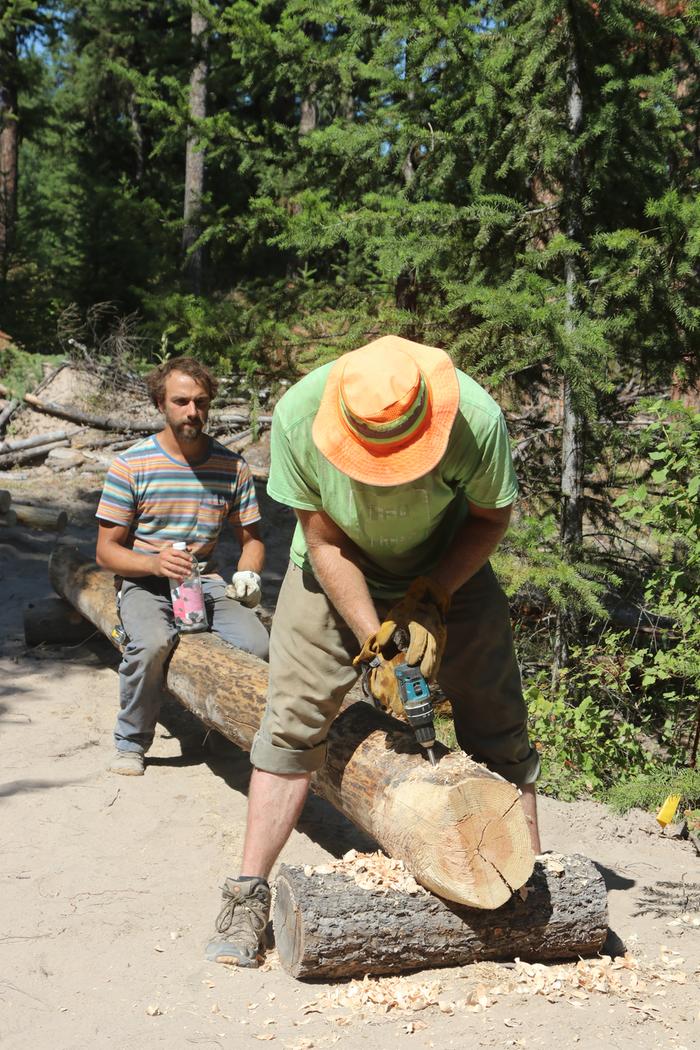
478	825
510	856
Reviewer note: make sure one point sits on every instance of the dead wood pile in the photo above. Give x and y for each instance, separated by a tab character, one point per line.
102	413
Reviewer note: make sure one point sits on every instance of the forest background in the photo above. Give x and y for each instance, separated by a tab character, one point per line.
266	184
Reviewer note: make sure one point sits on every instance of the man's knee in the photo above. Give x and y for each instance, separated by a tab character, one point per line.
151	645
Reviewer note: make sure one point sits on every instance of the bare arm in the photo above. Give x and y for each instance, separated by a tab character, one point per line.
113	554
332	555
252	557
472	546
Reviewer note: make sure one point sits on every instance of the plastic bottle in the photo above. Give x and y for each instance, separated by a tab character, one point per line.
188	599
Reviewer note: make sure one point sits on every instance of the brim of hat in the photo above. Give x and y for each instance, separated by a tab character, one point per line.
394	466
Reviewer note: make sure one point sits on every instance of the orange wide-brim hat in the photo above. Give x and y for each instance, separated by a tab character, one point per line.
387	411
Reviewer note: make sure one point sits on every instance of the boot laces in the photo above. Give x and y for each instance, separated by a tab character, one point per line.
242	914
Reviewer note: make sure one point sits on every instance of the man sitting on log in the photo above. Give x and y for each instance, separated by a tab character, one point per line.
399	469
179	485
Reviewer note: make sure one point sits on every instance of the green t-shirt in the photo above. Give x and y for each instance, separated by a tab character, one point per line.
401	531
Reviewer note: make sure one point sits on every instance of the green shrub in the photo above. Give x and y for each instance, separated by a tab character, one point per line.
583	746
20	371
651	789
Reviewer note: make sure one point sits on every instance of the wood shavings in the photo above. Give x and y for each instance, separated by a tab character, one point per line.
381	994
624	978
371	871
270	962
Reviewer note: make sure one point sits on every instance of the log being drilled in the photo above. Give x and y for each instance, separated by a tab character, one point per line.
327	926
459	829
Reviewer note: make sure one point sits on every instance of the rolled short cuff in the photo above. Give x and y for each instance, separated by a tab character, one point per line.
519	773
273	759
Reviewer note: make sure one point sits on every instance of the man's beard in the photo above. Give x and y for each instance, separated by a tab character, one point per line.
188	431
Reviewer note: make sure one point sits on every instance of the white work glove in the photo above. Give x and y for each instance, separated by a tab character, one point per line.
245	588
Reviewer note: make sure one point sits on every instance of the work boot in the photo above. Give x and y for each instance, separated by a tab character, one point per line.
240	925
128	763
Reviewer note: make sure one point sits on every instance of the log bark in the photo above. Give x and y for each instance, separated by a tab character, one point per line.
460	829
44	518
5	500
50	408
327	926
53	621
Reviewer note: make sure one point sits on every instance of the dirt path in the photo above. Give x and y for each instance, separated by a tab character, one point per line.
109	885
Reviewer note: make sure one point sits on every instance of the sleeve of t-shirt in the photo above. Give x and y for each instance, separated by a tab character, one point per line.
118	501
490	480
244	510
292	481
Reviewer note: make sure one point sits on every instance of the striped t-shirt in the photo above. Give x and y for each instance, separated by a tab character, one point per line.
166	500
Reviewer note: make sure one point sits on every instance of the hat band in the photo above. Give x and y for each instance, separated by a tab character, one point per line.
396	431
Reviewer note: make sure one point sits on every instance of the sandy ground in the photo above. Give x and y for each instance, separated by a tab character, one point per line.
110	884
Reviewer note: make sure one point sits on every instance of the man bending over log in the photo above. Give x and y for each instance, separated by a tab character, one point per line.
179	485
399	469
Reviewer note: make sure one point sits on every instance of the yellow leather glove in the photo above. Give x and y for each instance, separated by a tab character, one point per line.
379	680
420	618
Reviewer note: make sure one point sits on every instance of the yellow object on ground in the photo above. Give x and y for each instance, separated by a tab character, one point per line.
668	810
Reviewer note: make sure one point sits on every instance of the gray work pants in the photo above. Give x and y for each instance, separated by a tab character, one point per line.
147	615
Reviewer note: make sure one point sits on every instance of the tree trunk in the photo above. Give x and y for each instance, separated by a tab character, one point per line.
460	829
308	115
327	926
194	158
573	423
9	148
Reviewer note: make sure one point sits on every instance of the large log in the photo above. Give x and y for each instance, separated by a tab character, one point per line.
460	830
5	500
41	517
328	926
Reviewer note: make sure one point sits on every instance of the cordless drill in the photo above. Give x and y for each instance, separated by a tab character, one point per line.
416	699
415	696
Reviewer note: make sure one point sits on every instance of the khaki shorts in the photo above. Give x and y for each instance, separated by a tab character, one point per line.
311	654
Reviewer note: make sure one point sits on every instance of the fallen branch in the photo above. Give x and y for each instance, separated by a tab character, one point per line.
7	411
49	408
13	458
38	439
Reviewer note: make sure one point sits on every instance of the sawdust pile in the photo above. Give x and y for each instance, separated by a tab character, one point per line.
626	979
371	871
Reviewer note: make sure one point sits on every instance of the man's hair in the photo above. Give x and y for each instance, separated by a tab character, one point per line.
155	380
